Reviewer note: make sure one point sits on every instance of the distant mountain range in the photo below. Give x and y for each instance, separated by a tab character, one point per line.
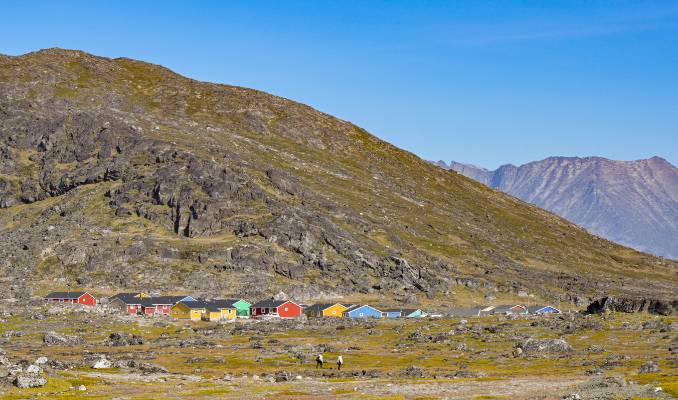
634	203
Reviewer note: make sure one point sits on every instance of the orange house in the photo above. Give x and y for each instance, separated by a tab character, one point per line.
325	310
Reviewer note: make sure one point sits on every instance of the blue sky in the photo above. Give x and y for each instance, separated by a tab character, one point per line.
484	82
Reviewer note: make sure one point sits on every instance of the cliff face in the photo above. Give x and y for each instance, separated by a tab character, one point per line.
634	203
120	174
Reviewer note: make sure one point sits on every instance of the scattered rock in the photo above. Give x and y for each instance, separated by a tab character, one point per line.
649	367
655	325
595	349
413	372
123	339
282	376
464	373
41	360
55	339
102	363
33	369
143	367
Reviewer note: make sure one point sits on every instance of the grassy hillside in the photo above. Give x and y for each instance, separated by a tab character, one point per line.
118	173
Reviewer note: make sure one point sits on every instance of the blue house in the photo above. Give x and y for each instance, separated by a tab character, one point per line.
392	314
543	310
363	311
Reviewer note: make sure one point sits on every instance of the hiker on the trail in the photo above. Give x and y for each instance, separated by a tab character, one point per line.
319	361
340	362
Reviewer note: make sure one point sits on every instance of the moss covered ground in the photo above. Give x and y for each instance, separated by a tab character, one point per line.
377	357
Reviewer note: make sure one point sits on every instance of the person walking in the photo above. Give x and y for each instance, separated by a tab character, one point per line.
340	362
319	361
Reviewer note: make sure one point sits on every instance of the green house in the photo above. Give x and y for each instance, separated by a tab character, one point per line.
242	307
411	313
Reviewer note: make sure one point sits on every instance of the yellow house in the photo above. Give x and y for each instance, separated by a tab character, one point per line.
193	310
325	310
215	313
220	310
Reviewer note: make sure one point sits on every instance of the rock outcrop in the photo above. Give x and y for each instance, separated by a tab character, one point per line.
633	304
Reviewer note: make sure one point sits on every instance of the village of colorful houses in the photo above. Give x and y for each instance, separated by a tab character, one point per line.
193	309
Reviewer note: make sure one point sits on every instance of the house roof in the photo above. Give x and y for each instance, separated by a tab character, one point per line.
220	304
196	304
65	295
128	298
270	303
505	307
533	309
467	312
357	306
403	311
322	306
172	300
236	300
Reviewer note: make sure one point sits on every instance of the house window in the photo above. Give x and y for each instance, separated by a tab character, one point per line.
285	308
362	315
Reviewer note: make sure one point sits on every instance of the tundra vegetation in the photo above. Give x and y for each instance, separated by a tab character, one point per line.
99	353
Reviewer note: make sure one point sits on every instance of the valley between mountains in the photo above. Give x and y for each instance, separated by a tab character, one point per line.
116	173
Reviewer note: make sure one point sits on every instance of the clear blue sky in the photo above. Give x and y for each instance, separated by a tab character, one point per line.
485	82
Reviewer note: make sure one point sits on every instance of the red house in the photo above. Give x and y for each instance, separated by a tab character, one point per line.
161	305
141	303
276	308
129	303
83	298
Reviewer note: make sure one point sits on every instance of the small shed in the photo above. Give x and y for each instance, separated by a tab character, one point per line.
83	298
362	311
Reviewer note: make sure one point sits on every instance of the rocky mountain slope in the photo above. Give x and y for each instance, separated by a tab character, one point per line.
634	203
116	173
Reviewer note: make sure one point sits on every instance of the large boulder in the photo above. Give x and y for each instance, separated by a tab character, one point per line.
545	346
25	381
